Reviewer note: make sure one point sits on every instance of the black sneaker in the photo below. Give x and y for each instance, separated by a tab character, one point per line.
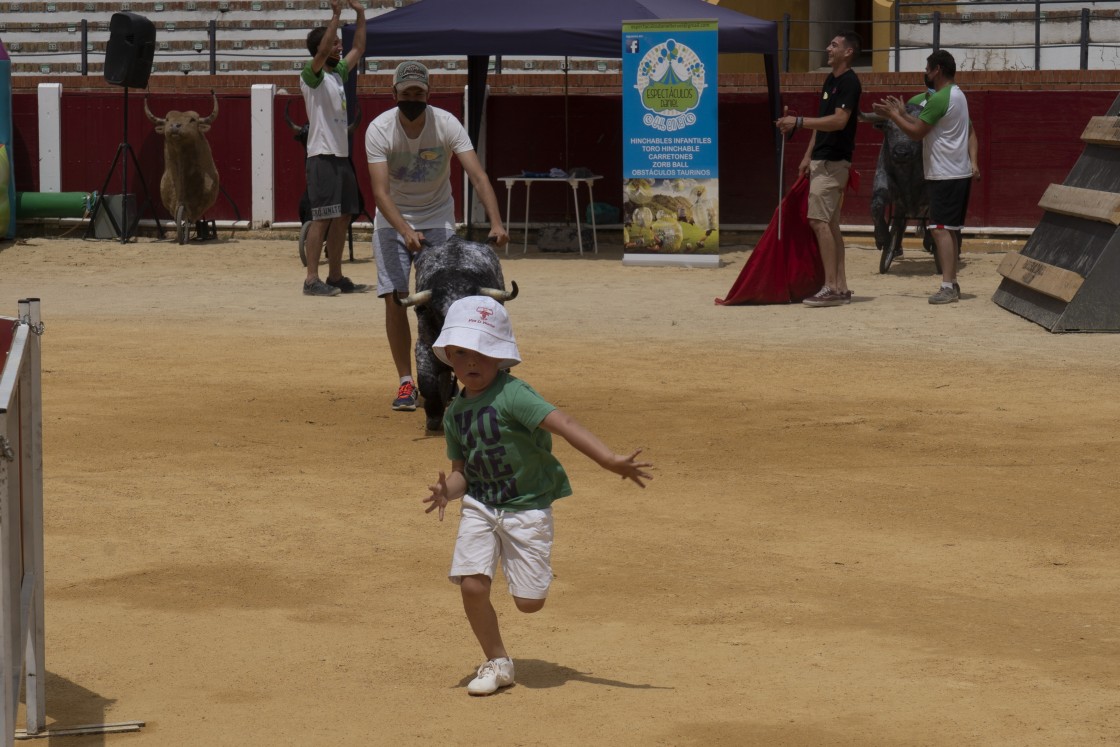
319	288
346	285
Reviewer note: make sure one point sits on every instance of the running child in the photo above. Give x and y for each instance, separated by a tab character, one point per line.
499	439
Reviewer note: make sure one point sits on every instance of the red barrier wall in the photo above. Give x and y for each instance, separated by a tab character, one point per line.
1028	140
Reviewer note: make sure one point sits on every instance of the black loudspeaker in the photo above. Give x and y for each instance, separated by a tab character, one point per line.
129	53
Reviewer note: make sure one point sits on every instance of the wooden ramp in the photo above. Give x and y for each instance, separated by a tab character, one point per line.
1067	276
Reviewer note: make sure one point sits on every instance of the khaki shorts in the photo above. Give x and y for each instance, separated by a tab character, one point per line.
827	180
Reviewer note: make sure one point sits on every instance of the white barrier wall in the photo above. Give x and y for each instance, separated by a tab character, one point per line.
21	524
264	181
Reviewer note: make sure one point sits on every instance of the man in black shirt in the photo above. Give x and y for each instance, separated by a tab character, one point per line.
827	161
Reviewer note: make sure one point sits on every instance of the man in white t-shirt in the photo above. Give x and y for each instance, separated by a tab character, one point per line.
943	128
409	150
332	187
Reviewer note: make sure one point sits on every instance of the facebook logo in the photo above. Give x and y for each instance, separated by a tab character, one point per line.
632	46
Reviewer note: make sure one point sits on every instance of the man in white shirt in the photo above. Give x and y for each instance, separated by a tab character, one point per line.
332	187
943	128
409	151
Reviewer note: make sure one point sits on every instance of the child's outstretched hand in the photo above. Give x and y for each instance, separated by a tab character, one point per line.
438	498
629	469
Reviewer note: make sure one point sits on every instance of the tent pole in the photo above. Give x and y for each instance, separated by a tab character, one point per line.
567	156
477	71
774	94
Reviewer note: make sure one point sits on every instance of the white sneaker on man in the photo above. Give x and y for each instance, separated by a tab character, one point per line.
492	676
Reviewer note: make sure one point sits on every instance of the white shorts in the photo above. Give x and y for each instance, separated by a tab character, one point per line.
522	539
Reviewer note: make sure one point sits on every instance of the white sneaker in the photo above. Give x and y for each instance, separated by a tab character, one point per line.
493	675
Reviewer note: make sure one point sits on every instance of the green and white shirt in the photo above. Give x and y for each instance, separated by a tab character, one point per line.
945	147
324	96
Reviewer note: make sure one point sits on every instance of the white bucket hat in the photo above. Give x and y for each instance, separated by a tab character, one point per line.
481	324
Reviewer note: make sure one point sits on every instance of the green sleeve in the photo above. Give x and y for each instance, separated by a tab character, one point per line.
309	76
937	107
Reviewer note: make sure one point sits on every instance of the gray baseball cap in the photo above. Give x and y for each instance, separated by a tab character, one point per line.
410	73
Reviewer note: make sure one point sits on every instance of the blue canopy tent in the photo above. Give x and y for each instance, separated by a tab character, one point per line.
478	29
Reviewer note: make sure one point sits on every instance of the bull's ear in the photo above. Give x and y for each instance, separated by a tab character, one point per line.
203	126
159	128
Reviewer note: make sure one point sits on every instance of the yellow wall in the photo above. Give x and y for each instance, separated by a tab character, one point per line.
882	13
770	10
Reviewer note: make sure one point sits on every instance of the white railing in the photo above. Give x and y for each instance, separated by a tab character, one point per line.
21	522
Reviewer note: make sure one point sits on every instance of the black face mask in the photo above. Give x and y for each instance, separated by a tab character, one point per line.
412	109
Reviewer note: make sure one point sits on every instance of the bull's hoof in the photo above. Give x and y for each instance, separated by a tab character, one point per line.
434	425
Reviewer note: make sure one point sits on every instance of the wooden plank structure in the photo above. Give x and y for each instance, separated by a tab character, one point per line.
1066	276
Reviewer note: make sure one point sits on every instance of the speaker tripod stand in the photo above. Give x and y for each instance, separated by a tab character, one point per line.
124	229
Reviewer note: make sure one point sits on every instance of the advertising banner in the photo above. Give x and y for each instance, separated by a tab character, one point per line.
670	151
7	180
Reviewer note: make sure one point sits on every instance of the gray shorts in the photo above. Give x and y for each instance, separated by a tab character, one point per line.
394	261
332	188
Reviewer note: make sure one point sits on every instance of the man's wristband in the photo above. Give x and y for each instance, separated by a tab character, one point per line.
800	123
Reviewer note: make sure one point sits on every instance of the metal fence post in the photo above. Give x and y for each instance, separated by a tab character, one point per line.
785	42
1084	38
897	36
212	32
85	47
1037	34
936	30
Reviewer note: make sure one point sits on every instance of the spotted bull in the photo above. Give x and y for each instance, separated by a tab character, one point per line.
444	274
189	185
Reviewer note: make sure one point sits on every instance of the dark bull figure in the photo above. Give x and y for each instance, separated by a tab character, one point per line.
189	185
444	274
898	193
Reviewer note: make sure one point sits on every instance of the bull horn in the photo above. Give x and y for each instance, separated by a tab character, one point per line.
214	114
419	298
295	128
153	118
500	295
871	118
357	116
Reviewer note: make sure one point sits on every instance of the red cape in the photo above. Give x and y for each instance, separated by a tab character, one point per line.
782	270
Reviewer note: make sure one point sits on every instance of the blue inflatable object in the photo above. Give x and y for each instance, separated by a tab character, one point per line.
7	177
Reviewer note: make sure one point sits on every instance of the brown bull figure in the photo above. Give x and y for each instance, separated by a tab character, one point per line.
189	185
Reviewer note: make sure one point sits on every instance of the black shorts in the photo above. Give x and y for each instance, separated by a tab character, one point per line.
948	202
332	189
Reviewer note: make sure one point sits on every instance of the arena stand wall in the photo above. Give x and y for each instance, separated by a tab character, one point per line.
1028	121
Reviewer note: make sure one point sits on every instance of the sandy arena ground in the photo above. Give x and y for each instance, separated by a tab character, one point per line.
882	524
